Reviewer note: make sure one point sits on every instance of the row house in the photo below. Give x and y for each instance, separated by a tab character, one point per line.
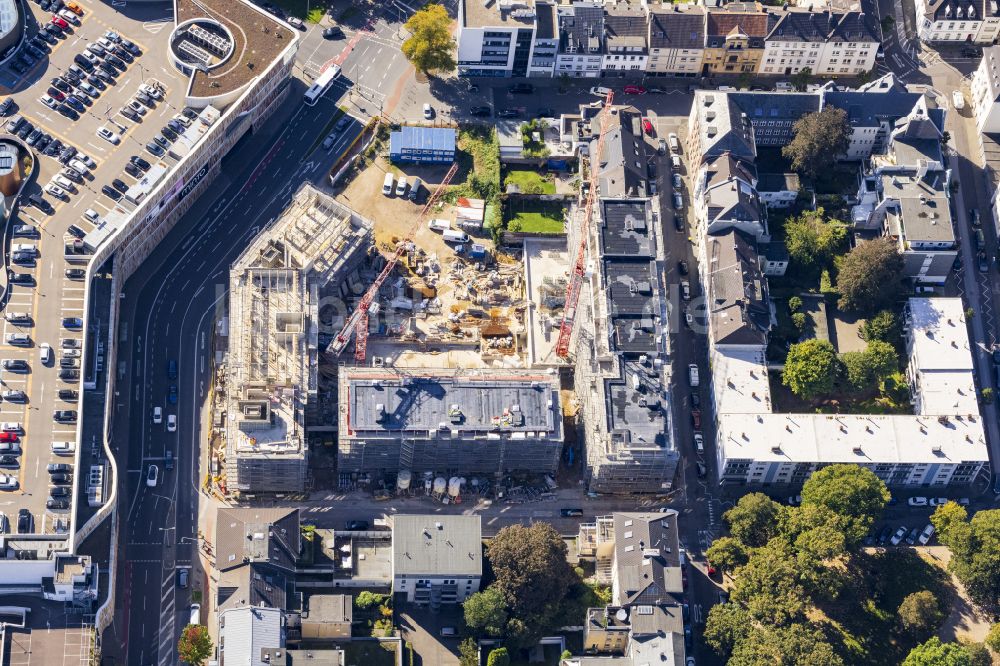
958	21
676	41
825	43
625	42
734	39
581	39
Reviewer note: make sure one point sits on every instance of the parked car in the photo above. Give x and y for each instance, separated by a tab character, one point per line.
898	536
926	535
917	501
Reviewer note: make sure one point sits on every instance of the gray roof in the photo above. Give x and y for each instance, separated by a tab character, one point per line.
871	109
647	559
247	633
683	27
852	27
635	415
959	10
256	535
727	166
775	105
476	402
582	26
253	585
328	608
310	657
918	123
801	25
625	228
545	23
625	28
437	545
623	161
924	212
665	650
723	127
737	303
733	199
778	182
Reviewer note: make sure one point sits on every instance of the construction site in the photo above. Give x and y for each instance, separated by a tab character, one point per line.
432	362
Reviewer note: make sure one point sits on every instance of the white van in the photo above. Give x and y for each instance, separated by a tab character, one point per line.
675	162
195	614
783	86
30	248
401	186
600	91
439	225
11	426
693	375
455	236
387	184
675	144
63	448
16	317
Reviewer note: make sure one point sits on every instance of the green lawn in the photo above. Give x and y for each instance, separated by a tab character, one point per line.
539	223
531	182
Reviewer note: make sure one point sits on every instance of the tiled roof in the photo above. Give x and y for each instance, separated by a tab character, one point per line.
724	23
625	28
683	28
852	27
800	26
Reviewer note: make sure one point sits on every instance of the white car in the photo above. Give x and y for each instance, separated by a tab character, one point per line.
69	16
91	216
898	536
938	501
71	353
151	91
45	352
152	476
136	106
926	535
958	99
89	89
428	111
108	135
8	482
56	191
171	423
89	161
49	102
917	501
79	166
10	448
157	415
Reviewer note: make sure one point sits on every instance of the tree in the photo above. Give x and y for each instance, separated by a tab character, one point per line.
978	654
920	613
869	277
936	653
769	585
486	611
430	46
753	520
801	79
498	657
794	645
856	370
993	638
819	139
531	575
811	368
727	554
868	368
195	645
812	240
883	326
468	653
794	304
987	394
366	599
975	549
727	625
850	491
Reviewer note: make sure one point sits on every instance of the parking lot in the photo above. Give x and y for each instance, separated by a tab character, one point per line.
99	109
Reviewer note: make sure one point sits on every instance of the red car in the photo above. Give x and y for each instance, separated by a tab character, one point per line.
696	417
647	126
8	436
61	22
635	90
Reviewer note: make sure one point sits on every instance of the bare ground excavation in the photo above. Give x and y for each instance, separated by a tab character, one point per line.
862	619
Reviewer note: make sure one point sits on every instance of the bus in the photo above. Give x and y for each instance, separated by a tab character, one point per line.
321	85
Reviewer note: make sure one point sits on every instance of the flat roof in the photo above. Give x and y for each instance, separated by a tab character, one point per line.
437	544
423	138
469	401
940	356
745	388
258	37
924	212
498	13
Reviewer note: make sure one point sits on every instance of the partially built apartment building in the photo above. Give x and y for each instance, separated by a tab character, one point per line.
449	422
621	336
272	366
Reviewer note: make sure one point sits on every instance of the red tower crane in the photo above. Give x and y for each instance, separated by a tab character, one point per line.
576	278
357	322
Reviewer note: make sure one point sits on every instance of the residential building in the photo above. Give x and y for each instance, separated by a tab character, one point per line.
829	44
496	39
958	21
639	554
734	39
454	422
623	161
581	37
739	313
545	44
275	290
851	46
907	197
778	190
256	550
872	111
725	197
325	617
676	39
422	145
626	49
247	635
621	343
436	559
986	91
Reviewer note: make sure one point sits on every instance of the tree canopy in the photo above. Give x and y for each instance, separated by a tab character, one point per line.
811	368
754	519
812	240
975	551
870	276
498	657
430	47
993	638
486	611
850	491
920	613
195	645
819	139
884	326
727	554
935	653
